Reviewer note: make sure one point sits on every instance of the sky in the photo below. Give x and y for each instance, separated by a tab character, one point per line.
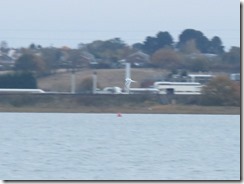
71	22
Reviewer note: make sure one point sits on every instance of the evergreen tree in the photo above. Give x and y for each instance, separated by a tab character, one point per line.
216	46
202	42
162	40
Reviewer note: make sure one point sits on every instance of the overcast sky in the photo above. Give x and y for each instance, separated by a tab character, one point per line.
70	22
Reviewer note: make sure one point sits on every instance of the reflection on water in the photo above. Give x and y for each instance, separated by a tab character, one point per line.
53	146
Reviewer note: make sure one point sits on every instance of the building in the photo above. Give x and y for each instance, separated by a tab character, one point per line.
138	59
235	76
201	78
6	62
178	88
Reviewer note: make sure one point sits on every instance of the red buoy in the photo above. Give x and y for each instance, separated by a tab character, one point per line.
119	115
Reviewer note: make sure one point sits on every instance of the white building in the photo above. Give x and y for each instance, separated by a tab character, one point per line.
201	78
178	88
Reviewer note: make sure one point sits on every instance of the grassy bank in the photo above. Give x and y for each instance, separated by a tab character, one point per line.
154	109
106	104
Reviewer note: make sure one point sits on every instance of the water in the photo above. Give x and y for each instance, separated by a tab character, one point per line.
53	146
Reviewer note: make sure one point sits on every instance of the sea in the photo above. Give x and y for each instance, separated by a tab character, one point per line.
79	146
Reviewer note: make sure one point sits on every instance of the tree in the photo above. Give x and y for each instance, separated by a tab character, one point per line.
202	42
51	57
190	47
32	46
233	59
189	34
221	91
150	45
30	62
166	58
86	85
137	46
197	64
233	56
24	80
216	46
4	46
162	40
109	52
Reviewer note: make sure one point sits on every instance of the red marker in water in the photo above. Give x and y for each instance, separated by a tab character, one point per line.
119	115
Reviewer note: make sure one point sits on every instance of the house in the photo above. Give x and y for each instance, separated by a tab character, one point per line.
6	62
235	76
138	59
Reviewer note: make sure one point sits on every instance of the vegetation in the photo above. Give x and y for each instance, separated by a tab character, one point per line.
18	80
85	86
30	62
152	44
102	104
221	91
160	51
166	58
203	44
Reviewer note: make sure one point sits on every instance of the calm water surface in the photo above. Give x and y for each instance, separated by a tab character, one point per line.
55	146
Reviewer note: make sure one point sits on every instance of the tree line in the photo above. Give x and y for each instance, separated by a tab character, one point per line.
190	41
193	52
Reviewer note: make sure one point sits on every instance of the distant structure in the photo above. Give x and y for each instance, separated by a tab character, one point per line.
94	82
178	88
235	76
138	59
201	78
20	91
73	83
128	79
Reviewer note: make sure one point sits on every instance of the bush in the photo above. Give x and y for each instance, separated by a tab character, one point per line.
18	80
86	85
221	91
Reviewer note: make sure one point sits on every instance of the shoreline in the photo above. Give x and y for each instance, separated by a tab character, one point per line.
131	104
154	109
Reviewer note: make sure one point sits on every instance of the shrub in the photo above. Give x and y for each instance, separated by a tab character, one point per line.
18	80
86	85
221	91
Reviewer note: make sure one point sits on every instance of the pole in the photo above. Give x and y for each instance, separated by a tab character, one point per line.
73	82
127	70
127	78
94	83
